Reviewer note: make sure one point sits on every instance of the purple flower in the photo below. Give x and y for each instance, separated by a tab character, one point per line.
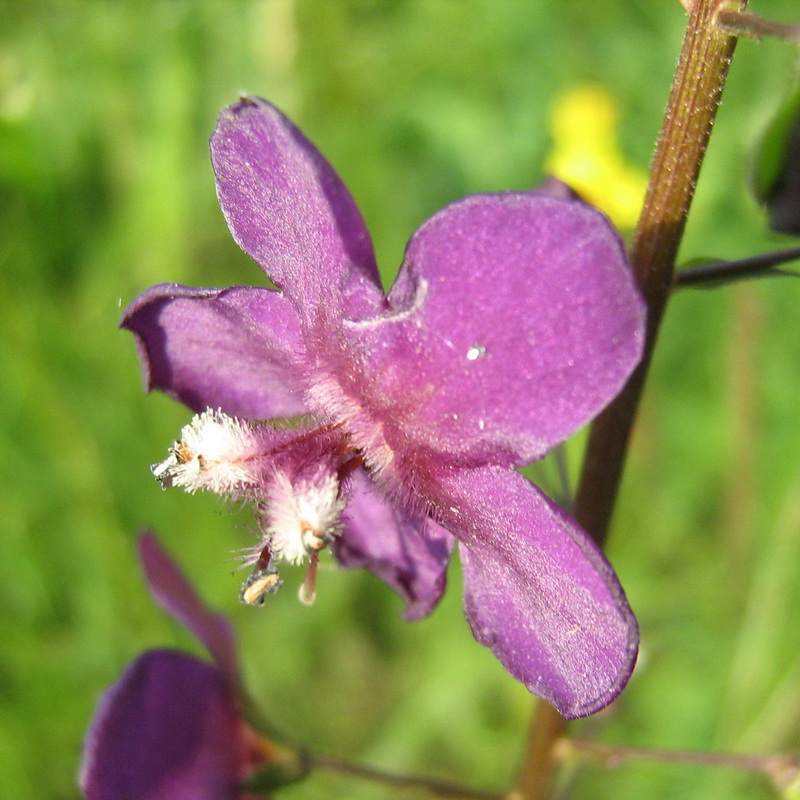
513	321
171	727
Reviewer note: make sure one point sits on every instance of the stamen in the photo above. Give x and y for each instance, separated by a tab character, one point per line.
261	583
313	538
264	557
220	454
302	516
349	467
308	591
293	476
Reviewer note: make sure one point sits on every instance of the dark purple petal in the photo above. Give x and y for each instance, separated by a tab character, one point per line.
516	321
538	592
555	187
290	212
165	731
409	555
236	349
178	598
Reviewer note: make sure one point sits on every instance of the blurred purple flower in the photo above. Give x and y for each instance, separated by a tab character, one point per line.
513	321
171	727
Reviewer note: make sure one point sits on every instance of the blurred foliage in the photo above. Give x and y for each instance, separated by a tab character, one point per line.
105	189
776	171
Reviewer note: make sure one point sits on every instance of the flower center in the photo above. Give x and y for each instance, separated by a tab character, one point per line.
294	476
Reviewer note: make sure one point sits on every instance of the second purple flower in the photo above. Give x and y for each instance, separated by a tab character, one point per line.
513	321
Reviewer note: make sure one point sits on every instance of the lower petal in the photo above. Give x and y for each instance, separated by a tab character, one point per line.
538	592
409	555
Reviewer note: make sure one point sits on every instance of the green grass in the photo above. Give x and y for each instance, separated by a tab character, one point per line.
105	189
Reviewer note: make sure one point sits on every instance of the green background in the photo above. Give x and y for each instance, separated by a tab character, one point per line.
105	189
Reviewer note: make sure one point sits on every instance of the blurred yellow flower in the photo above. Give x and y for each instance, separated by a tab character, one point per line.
586	154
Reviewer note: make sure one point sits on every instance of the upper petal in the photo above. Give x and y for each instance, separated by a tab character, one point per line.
515	320
290	212
167	730
237	349
410	555
177	597
538	591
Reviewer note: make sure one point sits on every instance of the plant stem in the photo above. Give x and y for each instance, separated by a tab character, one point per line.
778	768
715	273
684	136
434	787
741	23
538	768
682	143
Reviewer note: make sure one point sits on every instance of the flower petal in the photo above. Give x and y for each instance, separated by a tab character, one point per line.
516	320
236	349
411	556
290	212
165	731
178	598
538	592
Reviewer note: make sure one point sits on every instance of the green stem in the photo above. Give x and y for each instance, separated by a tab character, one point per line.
690	113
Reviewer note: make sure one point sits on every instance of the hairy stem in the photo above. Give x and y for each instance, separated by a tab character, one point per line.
690	113
682	143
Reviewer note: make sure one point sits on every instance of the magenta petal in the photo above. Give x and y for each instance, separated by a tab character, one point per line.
522	318
165	731
178	598
290	212
538	592
236	349
410	556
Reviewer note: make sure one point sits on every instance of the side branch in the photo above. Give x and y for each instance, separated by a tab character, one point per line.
434	787
719	273
743	23
782	770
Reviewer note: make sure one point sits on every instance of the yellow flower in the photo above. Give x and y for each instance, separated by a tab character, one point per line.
587	156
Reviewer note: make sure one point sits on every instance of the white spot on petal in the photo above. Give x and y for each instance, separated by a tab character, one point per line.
475	352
